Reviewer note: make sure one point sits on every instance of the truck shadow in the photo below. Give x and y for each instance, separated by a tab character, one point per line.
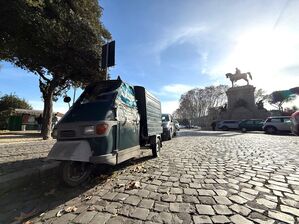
45	194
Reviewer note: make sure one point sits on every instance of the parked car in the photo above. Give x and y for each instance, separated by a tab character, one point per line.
228	125
169	129
251	125
295	123
108	124
272	125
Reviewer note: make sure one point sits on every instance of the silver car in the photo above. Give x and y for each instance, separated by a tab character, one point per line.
272	125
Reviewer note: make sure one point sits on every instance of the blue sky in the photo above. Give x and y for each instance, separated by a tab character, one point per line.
171	46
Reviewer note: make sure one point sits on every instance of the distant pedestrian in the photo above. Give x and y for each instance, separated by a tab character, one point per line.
39	121
214	125
54	120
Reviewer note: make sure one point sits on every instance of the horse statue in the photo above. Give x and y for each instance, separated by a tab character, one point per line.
235	77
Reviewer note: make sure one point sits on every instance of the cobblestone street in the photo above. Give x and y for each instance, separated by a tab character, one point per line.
200	177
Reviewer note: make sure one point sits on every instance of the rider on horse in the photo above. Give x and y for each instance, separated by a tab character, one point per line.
238	72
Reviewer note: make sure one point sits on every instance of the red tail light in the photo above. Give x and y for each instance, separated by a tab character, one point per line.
101	128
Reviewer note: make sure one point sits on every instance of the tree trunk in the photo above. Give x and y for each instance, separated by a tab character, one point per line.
47	114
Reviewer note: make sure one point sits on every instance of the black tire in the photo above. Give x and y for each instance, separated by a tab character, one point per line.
225	128
170	134
156	149
243	130
270	130
74	173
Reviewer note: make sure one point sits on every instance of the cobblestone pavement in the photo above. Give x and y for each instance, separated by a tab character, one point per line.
7	137
19	156
201	177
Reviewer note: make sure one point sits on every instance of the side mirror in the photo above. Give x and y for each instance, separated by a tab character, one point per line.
67	99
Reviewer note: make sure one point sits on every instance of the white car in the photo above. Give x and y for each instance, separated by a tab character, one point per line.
228	125
272	125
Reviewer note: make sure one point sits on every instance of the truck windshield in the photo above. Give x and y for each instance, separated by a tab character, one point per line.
91	106
165	117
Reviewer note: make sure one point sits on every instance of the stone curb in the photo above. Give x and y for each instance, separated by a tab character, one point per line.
27	177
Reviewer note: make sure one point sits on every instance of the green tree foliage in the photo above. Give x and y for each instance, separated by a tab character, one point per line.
8	102
278	98
58	40
260	95
12	101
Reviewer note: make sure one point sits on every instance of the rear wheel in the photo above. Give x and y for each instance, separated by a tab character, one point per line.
156	148
243	130
270	130
74	173
225	128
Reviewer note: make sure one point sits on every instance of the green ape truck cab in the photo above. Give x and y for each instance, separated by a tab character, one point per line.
108	124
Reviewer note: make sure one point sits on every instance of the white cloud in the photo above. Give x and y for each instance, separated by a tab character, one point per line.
272	56
177	89
169	106
176	35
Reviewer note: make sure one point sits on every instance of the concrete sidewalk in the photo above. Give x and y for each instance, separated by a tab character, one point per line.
23	162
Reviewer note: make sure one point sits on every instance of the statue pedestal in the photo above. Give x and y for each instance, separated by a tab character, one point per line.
241	104
241	96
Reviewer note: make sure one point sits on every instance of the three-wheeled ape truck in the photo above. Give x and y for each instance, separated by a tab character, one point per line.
108	124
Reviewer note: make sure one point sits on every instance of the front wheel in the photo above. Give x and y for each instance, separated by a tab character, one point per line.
156	149
74	173
170	134
270	130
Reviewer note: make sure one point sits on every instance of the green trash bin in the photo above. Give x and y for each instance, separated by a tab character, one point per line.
15	123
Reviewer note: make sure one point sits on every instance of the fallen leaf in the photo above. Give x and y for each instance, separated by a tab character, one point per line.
133	185
86	198
60	213
119	185
70	209
91	208
150	178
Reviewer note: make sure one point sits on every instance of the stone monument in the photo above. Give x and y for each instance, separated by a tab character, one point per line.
241	101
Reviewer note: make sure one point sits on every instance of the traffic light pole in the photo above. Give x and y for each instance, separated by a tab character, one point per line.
107	57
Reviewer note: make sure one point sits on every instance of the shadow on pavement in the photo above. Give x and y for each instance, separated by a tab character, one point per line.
46	194
19	165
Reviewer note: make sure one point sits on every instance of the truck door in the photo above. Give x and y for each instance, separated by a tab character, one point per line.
128	117
128	130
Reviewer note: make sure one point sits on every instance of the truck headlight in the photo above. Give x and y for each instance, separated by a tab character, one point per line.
88	130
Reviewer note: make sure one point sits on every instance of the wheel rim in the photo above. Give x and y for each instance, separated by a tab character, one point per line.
271	130
76	171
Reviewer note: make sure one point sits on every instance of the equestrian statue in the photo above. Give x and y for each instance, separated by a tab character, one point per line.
238	75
